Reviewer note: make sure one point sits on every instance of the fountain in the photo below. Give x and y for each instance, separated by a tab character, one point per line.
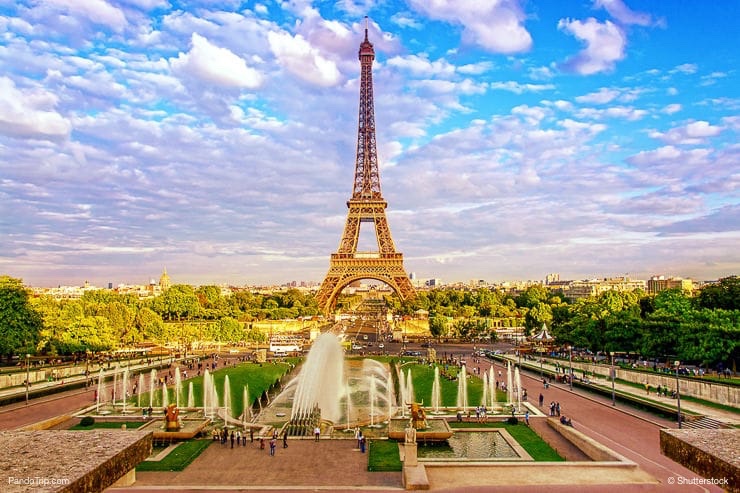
436	392
509	385
165	396
139	389
227	399
152	386
246	408
518	380
191	399
484	398
320	383
124	390
462	388
115	385
410	393
100	391
178	386
492	384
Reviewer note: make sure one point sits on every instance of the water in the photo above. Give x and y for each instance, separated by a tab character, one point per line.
320	382
245	405
227	399
462	388
509	385
139	389
178	386
152	386
484	398
436	392
492	384
469	445
518	380
165	397
410	393
100	390
124	389
115	385
191	399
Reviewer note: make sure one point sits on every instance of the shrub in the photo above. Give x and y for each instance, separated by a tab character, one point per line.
87	421
512	420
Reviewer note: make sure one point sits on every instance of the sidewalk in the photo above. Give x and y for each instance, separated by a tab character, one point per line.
722	415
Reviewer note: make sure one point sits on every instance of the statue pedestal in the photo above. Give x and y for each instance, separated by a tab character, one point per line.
409	454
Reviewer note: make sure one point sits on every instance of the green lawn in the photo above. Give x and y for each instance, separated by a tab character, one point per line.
383	456
178	459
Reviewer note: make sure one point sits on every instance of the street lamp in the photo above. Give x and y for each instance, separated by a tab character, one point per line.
570	366
678	394
28	375
614	399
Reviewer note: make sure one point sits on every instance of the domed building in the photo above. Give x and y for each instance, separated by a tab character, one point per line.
164	281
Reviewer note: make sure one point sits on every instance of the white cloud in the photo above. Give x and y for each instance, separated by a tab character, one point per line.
671	108
685	68
602	96
618	10
421	65
96	11
29	114
692	133
605	43
519	88
302	60
215	65
496	26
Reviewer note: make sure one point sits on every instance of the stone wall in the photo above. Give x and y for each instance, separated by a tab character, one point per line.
70	461
712	454
701	389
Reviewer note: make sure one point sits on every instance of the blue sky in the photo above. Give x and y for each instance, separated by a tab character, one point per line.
516	139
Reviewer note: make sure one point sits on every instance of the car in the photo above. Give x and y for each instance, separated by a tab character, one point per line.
356	346
381	345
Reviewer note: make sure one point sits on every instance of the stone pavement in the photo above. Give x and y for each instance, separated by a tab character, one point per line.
328	464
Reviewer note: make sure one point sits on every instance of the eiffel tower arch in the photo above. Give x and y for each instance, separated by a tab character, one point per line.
366	205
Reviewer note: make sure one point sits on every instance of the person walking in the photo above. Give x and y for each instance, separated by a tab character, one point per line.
272	446
542	399
285	439
232	439
251	434
316	433
526	418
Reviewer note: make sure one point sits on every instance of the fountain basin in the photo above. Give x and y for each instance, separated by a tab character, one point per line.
438	430
189	428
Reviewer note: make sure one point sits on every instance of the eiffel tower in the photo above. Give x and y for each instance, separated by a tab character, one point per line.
366	205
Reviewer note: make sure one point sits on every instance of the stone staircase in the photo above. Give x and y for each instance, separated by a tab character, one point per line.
704	423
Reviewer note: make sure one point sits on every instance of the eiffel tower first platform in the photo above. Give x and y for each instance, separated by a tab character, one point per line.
366	205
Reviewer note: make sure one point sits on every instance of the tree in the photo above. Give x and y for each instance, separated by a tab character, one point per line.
150	324
20	324
725	294
178	302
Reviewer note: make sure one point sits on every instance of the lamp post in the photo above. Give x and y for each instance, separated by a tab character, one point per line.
678	394
614	399
542	371
28	375
570	367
